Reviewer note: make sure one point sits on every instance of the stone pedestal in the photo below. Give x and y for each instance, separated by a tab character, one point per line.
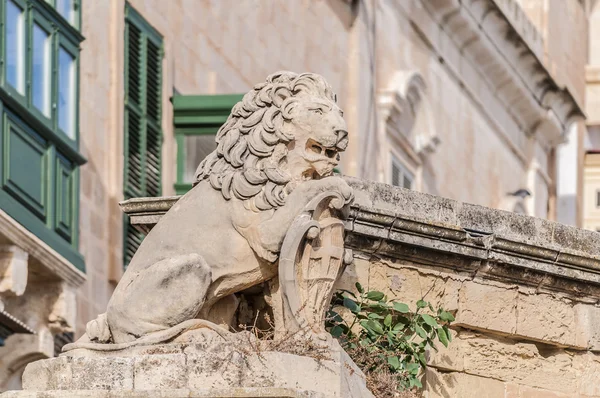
212	368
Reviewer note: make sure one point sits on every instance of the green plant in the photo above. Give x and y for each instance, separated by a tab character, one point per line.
386	339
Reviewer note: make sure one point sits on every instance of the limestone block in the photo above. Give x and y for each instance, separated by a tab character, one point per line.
487	307
102	373
587	327
274	392
49	374
518	391
461	385
407	284
507	360
545	318
211	364
13	269
451	358
588	366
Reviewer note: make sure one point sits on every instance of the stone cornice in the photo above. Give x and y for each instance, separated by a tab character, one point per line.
397	223
507	62
40	251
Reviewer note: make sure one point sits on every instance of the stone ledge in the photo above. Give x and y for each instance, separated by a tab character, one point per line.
40	252
171	393
404	224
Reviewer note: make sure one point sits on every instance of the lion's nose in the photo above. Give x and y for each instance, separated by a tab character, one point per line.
342	139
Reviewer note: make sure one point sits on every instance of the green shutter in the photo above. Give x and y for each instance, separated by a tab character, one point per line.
143	116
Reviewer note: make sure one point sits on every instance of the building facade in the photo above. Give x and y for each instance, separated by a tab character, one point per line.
100	101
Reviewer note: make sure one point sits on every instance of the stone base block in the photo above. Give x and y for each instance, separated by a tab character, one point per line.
177	393
208	367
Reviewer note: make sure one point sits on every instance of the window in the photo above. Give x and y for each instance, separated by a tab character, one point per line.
400	176
66	92
39	139
197	119
40	77
143	117
68	9
15	46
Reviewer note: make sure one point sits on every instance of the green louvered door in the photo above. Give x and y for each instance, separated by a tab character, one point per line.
143	135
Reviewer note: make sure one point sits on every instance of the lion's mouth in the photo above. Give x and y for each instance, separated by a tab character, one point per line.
311	174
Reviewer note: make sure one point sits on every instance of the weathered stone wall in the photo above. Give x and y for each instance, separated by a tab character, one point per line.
508	340
527	322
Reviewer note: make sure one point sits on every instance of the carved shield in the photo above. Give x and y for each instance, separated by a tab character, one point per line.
311	261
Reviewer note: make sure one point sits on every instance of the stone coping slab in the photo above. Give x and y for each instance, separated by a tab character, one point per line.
394	222
172	393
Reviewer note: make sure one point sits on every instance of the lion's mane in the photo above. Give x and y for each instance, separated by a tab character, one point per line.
249	162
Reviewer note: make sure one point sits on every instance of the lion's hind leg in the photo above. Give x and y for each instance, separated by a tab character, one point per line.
161	296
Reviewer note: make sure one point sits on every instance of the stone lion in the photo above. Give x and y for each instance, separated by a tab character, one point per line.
275	153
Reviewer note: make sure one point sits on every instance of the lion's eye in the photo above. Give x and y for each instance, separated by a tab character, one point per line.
316	148
318	111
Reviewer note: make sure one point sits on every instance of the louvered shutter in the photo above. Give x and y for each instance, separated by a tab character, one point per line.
143	113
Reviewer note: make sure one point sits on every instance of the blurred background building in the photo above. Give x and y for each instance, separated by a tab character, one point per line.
493	102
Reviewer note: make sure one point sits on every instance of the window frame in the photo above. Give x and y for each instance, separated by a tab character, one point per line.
197	115
3	81
76	10
395	160
61	33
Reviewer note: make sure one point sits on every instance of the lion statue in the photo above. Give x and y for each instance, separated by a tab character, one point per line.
276	151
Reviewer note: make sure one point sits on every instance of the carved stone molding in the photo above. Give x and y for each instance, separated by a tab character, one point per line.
39	253
476	40
399	107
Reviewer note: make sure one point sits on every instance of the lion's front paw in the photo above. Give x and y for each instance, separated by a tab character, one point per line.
337	184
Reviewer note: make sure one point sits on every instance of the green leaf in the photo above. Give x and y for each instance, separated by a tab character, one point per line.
418	383
421	304
442	337
334	316
394	362
351	304
336	331
401	307
398	326
446	316
428	319
359	287
375	295
374	315
388	320
448	334
422	360
375	326
420	332
412	367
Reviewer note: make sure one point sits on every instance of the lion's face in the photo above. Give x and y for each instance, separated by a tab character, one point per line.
320	134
